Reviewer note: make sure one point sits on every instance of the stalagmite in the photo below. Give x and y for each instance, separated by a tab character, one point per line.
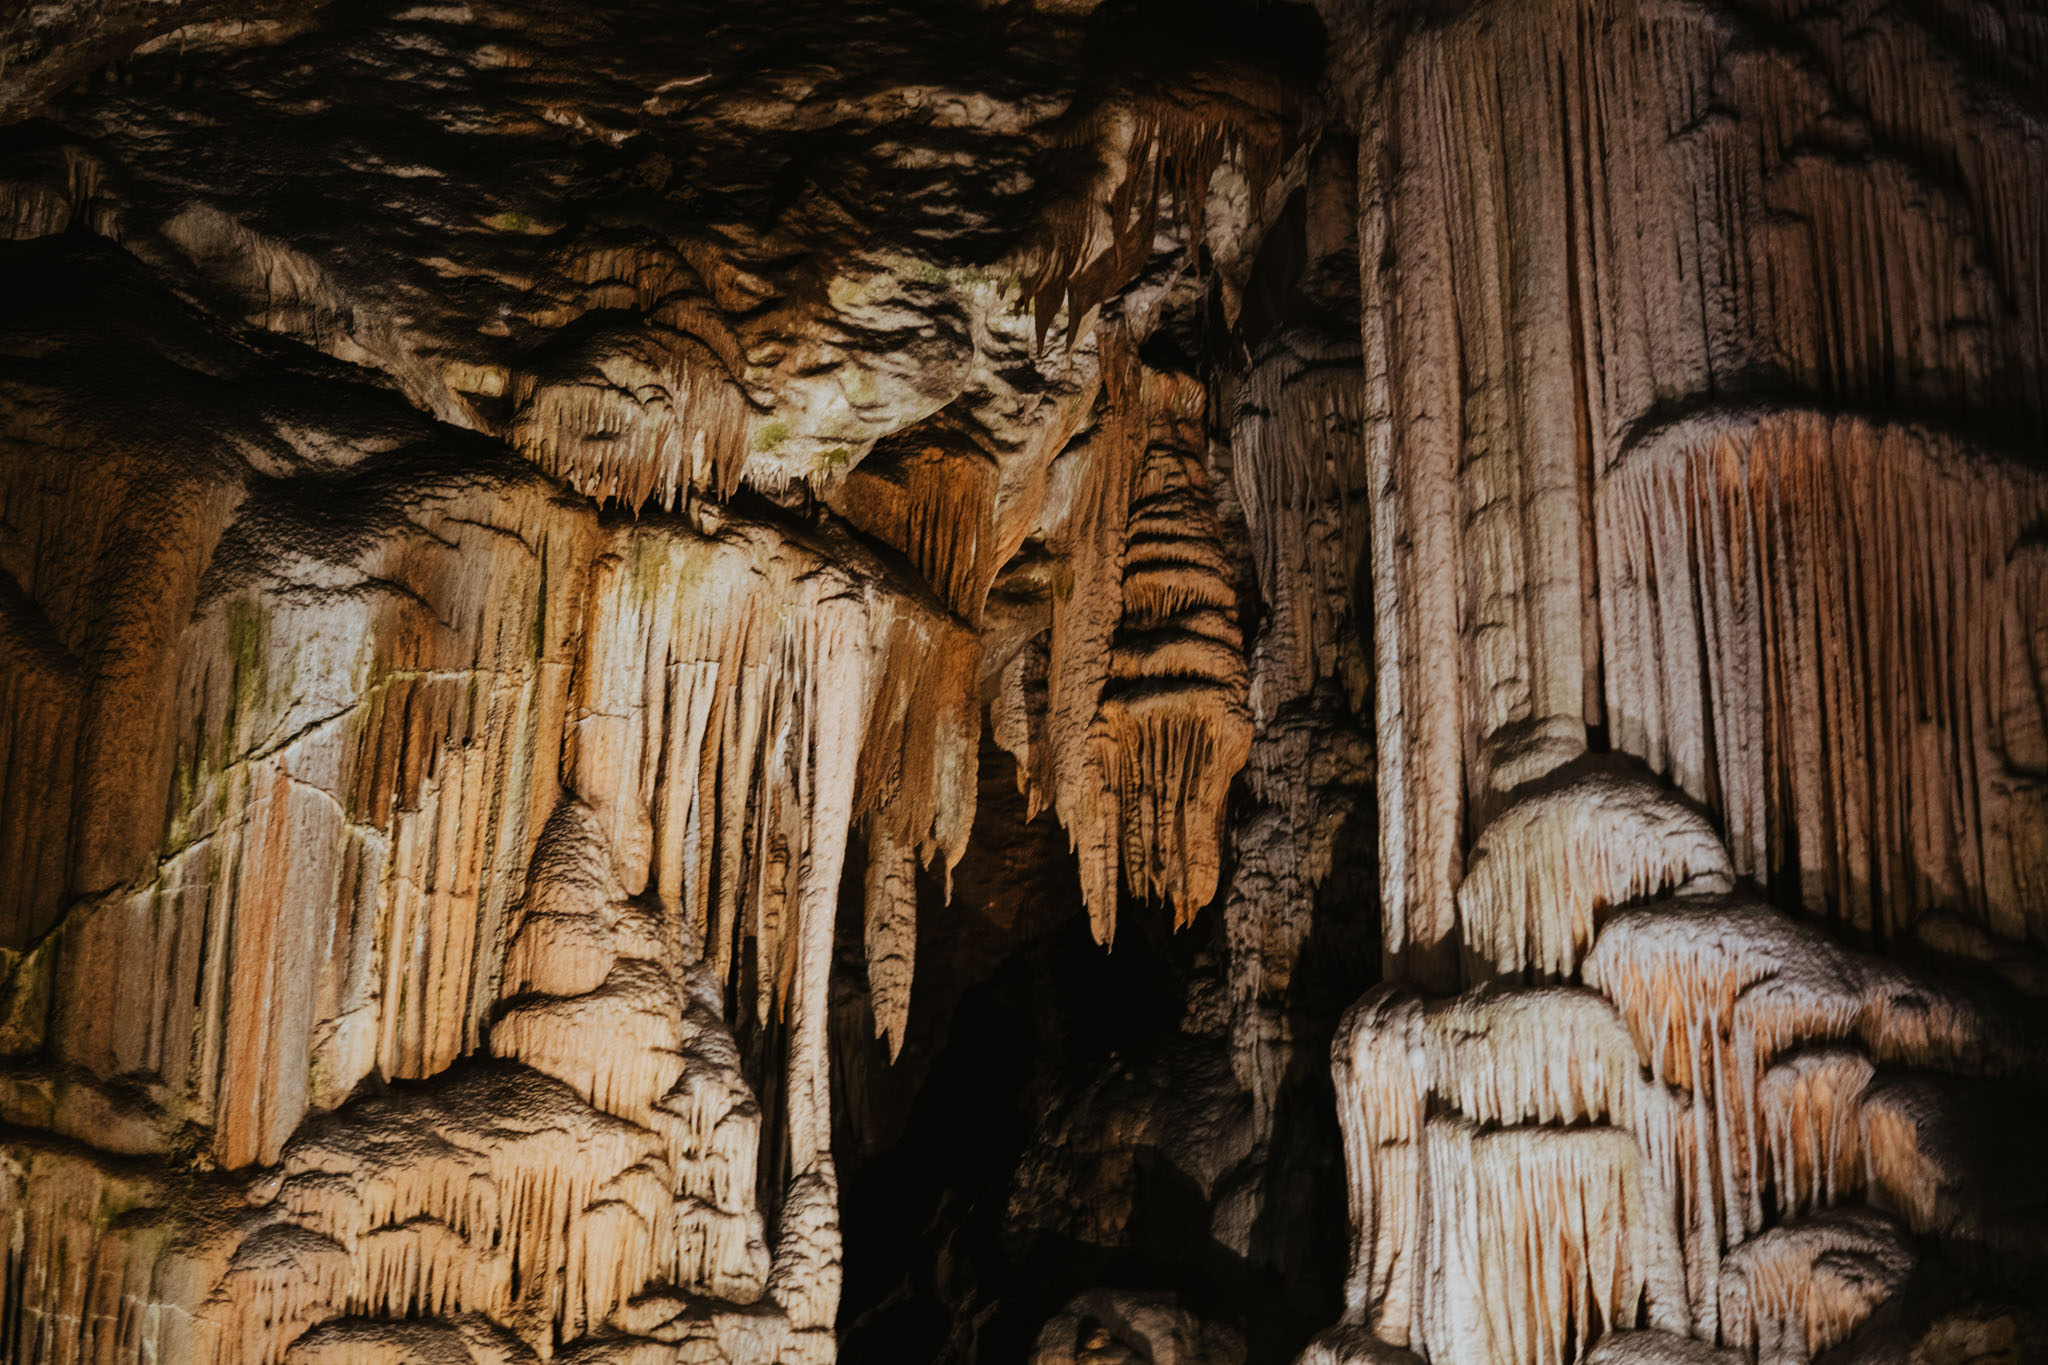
634	991
1714	993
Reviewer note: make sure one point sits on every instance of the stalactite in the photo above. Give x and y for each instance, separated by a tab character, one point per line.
1533	1067
1543	874
704	666
696	692
1146	678
1881	554
532	537
1298	466
1174	707
1562	1242
932	492
1152	144
1019	722
1811	1103
891	935
635	418
917	790
1798	1289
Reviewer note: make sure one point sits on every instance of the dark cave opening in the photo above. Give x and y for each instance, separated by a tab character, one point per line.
933	1273
984	1181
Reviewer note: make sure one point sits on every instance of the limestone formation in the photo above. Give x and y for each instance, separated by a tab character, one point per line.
606	612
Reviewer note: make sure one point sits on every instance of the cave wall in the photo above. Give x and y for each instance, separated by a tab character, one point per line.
588	594
1704	354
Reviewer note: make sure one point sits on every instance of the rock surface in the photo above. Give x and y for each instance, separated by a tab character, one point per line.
604	612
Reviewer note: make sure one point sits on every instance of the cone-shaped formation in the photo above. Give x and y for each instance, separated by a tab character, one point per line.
585	962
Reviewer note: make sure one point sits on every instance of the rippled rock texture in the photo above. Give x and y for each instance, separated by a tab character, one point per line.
605	611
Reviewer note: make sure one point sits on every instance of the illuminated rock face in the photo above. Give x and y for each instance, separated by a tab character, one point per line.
520	530
1706	484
